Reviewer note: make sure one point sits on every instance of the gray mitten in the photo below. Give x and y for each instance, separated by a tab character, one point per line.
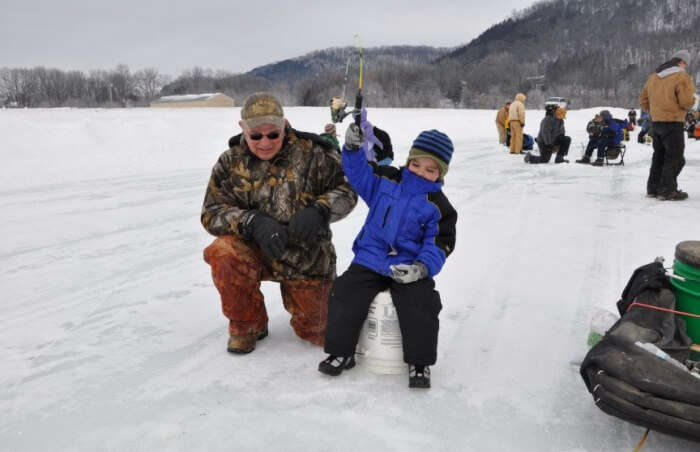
408	273
353	137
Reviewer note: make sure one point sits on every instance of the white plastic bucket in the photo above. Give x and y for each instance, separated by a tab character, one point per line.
379	347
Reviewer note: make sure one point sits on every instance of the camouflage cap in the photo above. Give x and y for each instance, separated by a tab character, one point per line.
262	108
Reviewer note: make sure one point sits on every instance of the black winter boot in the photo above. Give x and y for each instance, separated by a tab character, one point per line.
418	376
334	365
584	159
675	195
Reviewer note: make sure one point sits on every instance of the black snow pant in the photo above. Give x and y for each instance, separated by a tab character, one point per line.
600	143
546	151
642	135
417	307
668	160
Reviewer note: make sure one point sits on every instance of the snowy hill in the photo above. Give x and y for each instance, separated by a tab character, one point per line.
315	63
111	334
590	51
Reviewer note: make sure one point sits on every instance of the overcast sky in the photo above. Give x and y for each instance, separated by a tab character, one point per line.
230	35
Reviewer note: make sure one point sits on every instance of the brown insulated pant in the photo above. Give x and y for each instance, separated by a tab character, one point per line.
238	269
501	133
516	137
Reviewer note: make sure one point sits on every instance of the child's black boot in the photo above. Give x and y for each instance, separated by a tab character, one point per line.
418	376
334	365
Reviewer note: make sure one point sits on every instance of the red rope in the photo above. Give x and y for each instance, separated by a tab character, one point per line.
658	308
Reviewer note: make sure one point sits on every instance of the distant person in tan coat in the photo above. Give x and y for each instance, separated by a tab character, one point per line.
667	95
516	113
501	118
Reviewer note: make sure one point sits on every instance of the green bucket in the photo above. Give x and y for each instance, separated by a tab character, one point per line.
687	265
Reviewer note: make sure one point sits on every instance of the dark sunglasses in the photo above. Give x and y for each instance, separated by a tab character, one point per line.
257	136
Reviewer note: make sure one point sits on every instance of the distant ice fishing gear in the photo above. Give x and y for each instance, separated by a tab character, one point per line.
339	104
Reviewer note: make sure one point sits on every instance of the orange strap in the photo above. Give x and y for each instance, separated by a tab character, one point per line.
658	308
641	443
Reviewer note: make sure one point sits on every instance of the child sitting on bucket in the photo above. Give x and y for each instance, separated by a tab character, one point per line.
403	244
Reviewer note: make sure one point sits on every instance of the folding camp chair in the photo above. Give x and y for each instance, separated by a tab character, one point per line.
615	155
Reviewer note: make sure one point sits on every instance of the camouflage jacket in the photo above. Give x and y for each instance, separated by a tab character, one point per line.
304	172
594	128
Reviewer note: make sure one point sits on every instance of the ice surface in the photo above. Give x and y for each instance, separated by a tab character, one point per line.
111	332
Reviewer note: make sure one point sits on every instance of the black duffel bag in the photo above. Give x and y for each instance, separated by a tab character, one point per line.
629	382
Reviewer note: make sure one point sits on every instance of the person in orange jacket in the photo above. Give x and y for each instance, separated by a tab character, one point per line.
501	120
516	116
667	95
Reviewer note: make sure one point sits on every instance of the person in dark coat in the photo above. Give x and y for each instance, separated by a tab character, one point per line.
644	126
690	123
551	138
384	152
610	135
408	234
632	116
329	134
594	129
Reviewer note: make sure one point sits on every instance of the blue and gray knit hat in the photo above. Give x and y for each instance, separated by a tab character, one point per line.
435	145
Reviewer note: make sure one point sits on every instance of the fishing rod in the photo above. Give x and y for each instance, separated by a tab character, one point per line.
358	96
338	104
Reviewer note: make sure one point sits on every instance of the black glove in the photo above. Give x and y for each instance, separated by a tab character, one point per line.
353	137
306	223
269	235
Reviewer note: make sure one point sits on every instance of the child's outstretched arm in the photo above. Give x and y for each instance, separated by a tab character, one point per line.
357	169
440	234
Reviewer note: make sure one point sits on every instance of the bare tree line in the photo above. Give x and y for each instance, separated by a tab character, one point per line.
48	87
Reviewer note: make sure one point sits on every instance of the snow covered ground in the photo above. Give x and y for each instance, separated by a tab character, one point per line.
111	336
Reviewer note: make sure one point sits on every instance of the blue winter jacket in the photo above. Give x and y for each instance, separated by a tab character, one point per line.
645	121
410	218
612	130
